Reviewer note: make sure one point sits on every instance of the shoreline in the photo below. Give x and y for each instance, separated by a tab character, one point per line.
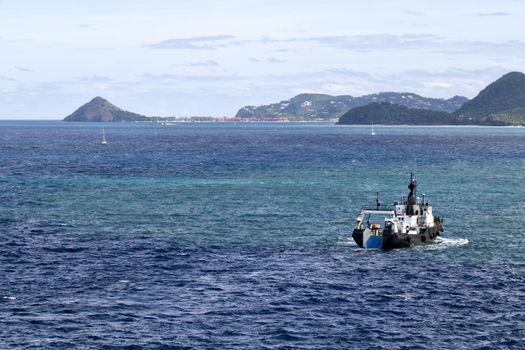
172	123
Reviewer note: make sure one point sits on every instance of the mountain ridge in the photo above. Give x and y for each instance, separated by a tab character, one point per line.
322	106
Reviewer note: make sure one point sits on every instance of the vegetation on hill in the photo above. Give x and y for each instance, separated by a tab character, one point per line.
391	114
515	116
500	103
319	106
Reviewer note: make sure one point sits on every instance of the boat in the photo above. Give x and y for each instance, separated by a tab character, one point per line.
104	141
373	132
409	223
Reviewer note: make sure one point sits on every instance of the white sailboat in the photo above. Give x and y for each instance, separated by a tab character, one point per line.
373	133
104	141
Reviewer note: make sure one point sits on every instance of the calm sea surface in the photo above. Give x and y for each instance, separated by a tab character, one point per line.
224	236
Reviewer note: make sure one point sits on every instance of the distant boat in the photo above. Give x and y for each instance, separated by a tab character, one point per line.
104	141
373	132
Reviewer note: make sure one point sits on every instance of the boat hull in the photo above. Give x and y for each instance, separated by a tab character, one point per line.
399	240
404	240
357	235
366	240
373	242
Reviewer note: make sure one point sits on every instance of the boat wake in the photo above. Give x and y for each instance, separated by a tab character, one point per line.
347	242
438	243
445	243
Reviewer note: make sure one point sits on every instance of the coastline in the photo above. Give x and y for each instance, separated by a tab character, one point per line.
317	122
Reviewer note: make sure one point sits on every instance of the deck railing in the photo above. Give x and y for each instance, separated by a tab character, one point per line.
378	208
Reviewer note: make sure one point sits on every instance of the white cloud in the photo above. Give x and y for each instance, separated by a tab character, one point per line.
438	84
94	79
493	14
266	60
414	13
209	63
195	43
23	69
166	57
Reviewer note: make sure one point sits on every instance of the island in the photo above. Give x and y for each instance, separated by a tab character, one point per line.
101	110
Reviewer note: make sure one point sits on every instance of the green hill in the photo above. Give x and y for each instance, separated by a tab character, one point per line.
101	110
500	103
391	114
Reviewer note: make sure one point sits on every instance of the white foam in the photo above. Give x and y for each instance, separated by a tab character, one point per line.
349	242
439	243
9	298
445	242
406	296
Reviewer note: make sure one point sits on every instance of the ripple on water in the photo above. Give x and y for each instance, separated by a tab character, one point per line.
213	236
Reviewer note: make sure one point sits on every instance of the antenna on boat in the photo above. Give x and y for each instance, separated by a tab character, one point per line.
412	185
413	169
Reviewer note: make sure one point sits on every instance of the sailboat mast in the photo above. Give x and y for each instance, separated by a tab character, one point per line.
103	137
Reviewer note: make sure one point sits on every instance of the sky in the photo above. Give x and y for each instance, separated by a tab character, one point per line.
210	58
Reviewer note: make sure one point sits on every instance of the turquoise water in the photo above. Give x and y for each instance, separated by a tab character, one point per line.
250	224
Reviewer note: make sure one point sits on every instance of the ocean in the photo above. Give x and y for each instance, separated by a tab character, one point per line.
238	236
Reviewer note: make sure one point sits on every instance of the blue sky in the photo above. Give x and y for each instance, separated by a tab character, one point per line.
204	57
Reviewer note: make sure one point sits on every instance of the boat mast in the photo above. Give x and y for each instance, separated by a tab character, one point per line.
411	200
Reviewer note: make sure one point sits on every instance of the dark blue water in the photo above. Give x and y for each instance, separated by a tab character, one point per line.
223	236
